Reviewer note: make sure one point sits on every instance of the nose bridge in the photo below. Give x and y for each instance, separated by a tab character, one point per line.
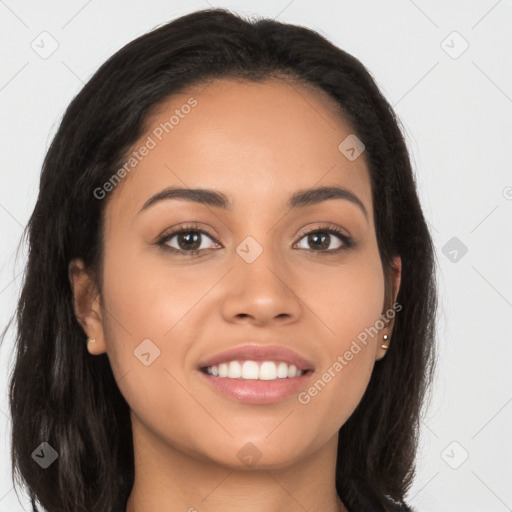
258	262
260	287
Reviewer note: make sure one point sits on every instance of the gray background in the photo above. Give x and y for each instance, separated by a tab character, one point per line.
455	104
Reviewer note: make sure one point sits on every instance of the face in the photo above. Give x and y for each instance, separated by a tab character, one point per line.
264	274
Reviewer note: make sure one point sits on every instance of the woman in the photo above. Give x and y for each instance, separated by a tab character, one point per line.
230	294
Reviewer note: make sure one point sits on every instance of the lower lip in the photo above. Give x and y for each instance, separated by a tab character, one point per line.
257	391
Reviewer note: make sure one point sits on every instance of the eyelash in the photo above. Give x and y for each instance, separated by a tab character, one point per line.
330	229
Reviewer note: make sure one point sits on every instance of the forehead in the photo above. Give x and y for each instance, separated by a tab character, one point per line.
254	141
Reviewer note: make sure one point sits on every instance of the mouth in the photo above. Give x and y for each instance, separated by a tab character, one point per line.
256	374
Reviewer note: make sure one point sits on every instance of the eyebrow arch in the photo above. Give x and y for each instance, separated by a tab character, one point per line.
299	199
313	196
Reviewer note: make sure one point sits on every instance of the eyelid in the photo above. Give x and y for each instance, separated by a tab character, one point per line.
325	226
190	226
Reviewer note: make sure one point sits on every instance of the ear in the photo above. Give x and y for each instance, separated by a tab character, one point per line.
389	321
86	305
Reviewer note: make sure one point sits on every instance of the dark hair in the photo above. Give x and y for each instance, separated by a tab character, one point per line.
62	396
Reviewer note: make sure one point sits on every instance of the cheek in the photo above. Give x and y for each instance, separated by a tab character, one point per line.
147	296
345	299
348	302
146	308
151	315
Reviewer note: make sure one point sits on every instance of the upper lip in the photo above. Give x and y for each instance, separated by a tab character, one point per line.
259	353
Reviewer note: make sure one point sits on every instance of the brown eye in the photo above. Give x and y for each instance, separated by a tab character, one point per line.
322	240
187	241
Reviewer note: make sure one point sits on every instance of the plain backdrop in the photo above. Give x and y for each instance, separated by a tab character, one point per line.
446	67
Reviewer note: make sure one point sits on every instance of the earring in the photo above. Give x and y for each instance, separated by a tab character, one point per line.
385	346
90	340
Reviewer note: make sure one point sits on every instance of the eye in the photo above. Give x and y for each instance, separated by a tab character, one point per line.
187	240
190	241
321	240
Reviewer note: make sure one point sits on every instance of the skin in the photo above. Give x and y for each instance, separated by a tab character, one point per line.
257	143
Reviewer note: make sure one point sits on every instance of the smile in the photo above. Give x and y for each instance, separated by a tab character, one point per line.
254	370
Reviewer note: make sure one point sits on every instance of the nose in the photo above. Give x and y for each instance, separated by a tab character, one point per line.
261	292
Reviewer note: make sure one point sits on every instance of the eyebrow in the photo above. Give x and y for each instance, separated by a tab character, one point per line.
299	199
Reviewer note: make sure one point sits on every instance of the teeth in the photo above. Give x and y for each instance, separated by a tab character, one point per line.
282	370
251	370
223	370
268	371
234	370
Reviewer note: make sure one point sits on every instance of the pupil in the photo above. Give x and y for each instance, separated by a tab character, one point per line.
316	236
187	238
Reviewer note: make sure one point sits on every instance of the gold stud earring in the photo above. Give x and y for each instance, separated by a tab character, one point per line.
90	340
385	346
